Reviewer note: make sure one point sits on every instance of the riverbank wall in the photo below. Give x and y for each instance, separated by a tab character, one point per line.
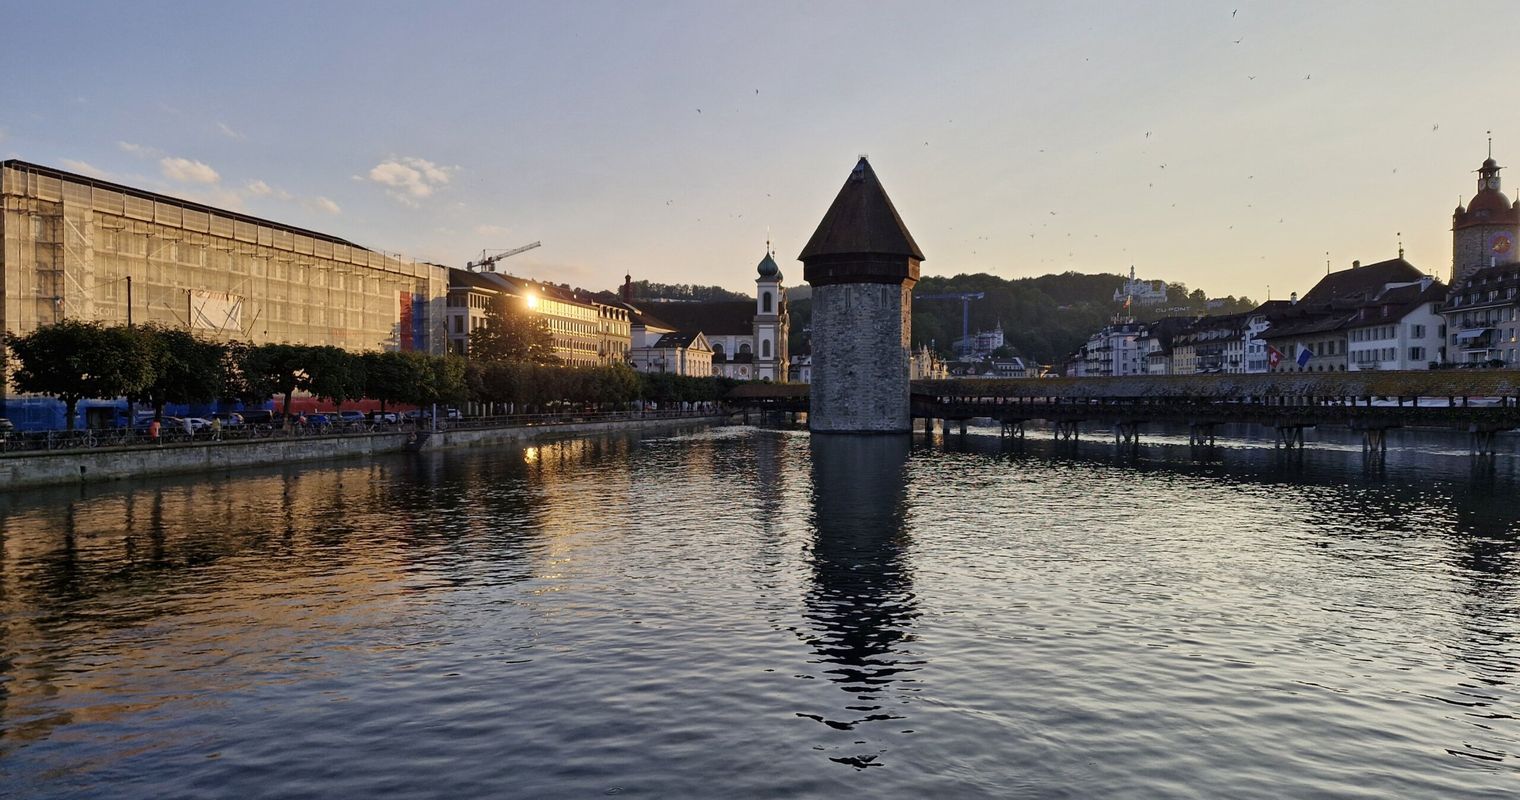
32	469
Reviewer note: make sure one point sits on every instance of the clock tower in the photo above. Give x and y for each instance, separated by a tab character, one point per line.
1487	231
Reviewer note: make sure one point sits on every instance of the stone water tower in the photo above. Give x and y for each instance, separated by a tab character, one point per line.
862	264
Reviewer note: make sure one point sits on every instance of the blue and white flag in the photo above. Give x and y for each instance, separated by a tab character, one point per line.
1304	354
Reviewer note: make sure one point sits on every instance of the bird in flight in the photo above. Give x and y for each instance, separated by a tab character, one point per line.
1232	13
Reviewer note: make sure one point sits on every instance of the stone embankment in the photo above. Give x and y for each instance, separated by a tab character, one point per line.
29	469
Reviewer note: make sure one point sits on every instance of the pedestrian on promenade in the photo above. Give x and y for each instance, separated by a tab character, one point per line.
189	429
153	428
216	429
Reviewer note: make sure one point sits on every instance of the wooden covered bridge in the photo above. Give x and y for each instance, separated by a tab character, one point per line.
1478	402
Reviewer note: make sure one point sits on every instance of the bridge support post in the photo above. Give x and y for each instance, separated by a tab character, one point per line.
1482	444
1201	434
1127	434
1011	430
963	427
1067	431
929	426
1375	445
1290	437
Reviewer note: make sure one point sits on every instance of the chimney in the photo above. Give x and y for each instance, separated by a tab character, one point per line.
627	288
1356	264
1293	299
1425	281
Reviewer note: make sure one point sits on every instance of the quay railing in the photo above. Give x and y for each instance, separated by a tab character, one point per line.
173	435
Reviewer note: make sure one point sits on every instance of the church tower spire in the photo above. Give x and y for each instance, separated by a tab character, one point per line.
1487	231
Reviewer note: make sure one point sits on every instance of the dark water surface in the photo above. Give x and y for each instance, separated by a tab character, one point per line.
739	612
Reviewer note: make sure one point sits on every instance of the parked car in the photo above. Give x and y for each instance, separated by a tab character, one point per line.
6	428
197	423
384	416
351	416
318	419
262	417
229	418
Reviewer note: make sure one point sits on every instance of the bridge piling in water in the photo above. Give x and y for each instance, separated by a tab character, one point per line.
1201	434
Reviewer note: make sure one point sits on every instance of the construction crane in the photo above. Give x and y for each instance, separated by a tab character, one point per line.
965	298
487	263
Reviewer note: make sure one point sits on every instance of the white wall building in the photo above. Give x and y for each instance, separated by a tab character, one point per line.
1402	329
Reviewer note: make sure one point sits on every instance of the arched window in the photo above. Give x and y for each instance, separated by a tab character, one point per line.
765	346
744	349
765	302
717	349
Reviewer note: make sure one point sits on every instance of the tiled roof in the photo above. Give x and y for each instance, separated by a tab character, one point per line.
1398	301
678	339
714	318
861	221
463	277
1359	284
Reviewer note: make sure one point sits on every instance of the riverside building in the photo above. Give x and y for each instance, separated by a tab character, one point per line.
75	247
1481	309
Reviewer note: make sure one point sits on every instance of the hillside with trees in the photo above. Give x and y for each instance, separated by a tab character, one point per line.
648	290
1044	319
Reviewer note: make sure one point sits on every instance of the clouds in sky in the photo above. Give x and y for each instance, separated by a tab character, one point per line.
491	230
84	168
410	179
258	188
227	131
185	170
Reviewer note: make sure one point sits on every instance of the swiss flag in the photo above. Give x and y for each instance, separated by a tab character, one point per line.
1274	357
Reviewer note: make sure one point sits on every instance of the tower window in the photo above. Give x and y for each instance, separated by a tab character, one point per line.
765	302
765	346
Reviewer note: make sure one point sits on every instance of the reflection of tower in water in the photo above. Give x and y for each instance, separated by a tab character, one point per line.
861	607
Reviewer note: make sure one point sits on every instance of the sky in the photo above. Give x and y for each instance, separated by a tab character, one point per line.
1233	146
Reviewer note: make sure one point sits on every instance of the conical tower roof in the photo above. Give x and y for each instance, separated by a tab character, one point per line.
861	222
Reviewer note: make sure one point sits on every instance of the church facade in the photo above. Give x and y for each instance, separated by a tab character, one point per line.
748	338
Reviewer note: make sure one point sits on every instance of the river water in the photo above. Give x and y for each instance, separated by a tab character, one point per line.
743	612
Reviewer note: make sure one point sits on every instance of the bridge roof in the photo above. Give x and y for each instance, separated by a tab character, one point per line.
761	390
1415	383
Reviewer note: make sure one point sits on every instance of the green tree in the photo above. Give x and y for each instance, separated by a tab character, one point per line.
73	360
276	369
186	368
391	377
334	374
512	334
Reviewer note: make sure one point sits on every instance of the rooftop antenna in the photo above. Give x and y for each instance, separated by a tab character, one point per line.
1327	262
1490	145
1400	235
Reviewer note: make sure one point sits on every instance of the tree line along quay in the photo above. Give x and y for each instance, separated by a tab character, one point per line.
155	366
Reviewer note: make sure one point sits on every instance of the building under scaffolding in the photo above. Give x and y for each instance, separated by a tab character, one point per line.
78	248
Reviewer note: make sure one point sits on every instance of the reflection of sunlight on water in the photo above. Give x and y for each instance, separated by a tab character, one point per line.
973	617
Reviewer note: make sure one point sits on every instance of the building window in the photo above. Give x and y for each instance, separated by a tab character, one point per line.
1417	331
765	345
765	302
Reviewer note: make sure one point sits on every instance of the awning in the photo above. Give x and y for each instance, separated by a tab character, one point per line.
1471	333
